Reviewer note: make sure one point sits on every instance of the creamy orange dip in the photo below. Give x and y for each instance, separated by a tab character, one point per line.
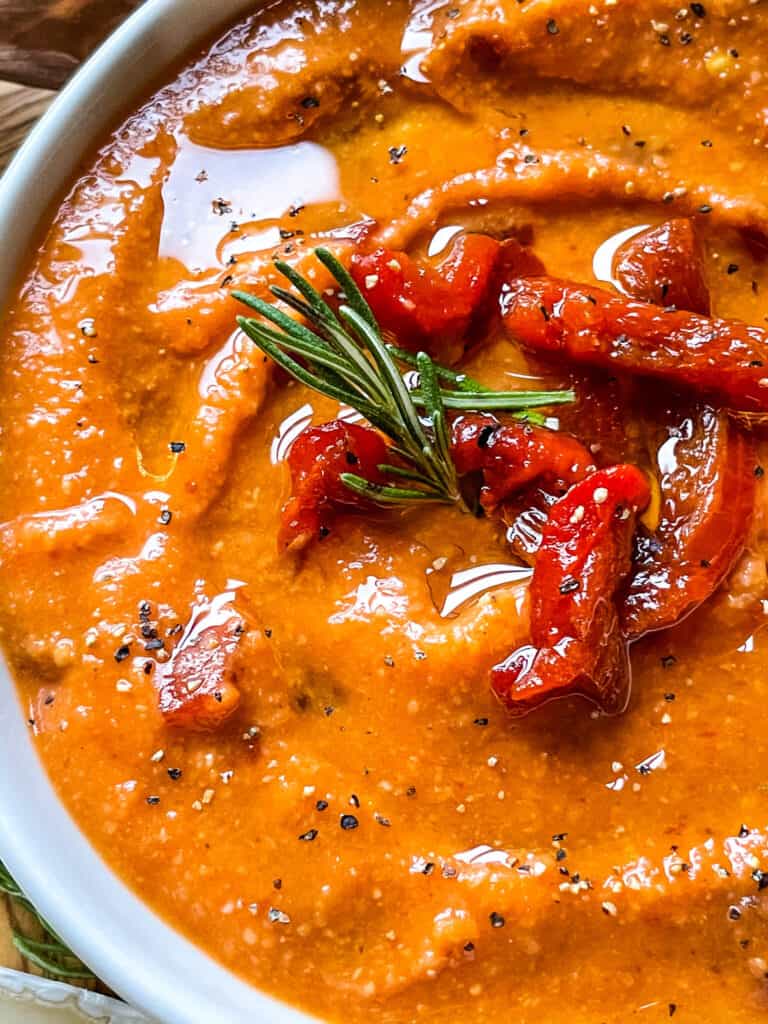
370	836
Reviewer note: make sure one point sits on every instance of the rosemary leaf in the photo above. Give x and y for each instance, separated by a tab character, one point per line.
50	954
383	494
344	356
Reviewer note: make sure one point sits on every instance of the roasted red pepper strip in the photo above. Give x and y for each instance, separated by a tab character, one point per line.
577	648
511	455
425	304
593	327
664	265
706	467
317	459
197	687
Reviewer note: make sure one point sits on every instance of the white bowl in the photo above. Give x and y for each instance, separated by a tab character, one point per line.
133	950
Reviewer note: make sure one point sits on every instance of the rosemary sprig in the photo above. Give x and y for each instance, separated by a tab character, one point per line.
344	356
51	954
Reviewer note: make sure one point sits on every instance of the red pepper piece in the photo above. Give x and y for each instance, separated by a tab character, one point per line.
517	260
197	687
705	462
577	648
593	327
317	459
664	265
425	304
706	469
511	455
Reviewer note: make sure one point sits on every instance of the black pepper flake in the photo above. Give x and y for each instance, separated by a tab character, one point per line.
530	158
561	854
743	831
734	913
294	211
310	102
285	234
626	129
686	38
175	773
732	268
705	563
352	459
469	947
563	870
523	132
277	883
419	655
552	27
496	919
165	516
122	653
569	585
50	699
396	154
309	836
761	877
148	666
558	837
544	313
428	869
759	471
699	10
321	805
348	822
707	143
668	197
668	660
705	208
481	721
177	447
669	697
154	645
92	359
664	39
734	53
411	791
672	1009
153	800
268	634
354	800
385	822
485	435
639	143
323	532
226	281
389	661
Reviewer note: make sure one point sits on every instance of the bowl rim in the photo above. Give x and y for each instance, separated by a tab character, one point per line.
127	945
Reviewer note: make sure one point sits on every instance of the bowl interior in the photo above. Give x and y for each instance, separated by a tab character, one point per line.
134	951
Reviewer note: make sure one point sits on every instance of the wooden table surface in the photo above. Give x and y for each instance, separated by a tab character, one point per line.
41	44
